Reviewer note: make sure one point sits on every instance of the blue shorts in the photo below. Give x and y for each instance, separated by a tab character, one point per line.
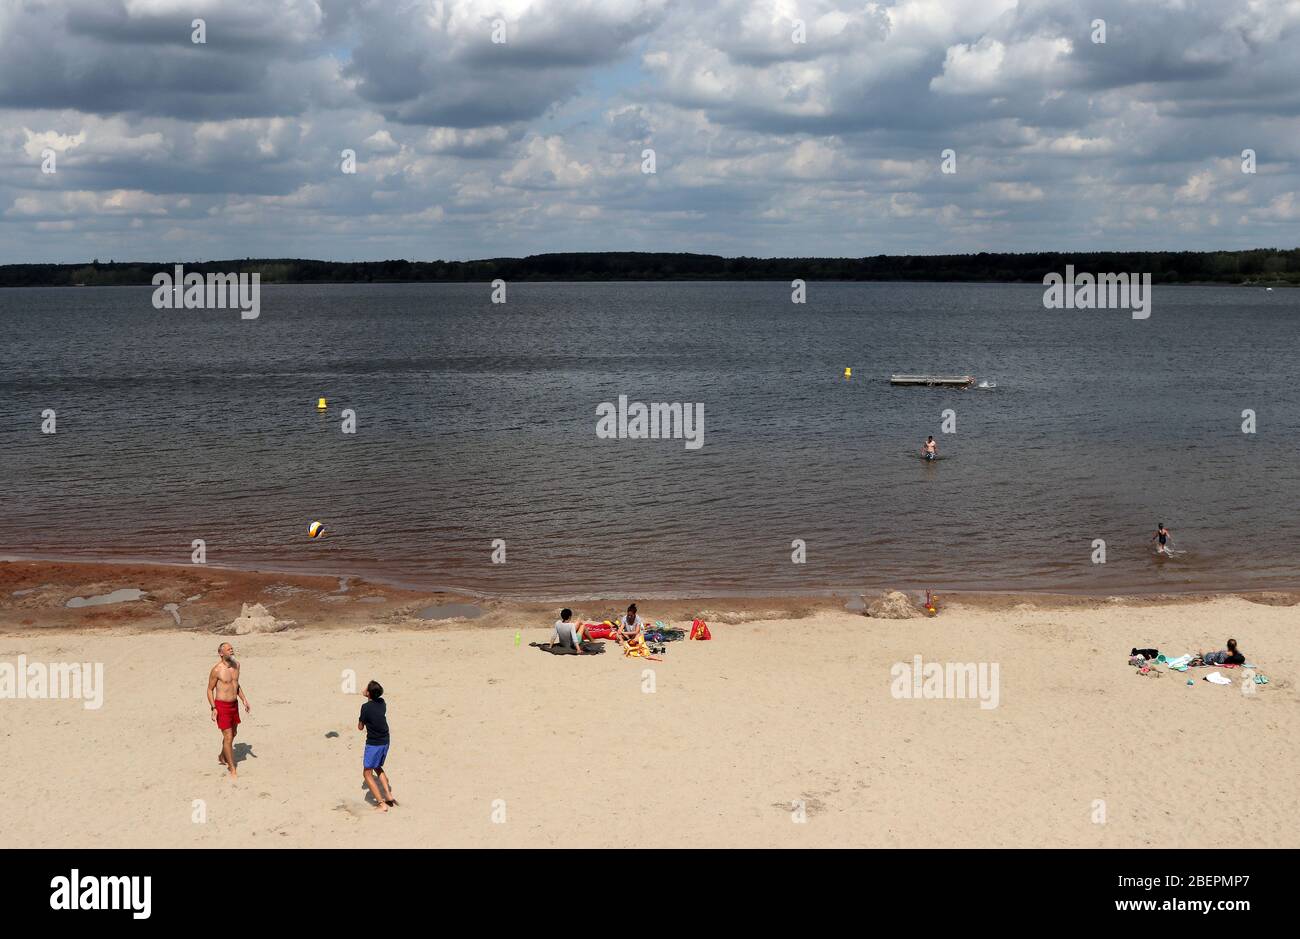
375	754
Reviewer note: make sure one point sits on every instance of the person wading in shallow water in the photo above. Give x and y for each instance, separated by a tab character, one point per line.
224	695
1162	535
931	449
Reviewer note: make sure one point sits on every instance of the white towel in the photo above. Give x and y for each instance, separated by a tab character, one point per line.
1218	679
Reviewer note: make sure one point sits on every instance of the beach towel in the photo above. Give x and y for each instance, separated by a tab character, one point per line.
1180	661
635	648
1218	679
593	648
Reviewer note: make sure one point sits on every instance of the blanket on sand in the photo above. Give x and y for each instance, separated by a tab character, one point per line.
592	648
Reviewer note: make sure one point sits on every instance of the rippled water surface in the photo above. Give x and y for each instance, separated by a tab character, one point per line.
477	422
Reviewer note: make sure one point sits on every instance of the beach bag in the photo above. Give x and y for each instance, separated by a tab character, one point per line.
700	630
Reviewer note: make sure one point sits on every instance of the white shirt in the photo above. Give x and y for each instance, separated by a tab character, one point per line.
569	636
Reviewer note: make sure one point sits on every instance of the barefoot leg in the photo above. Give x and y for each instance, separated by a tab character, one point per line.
369	776
227	750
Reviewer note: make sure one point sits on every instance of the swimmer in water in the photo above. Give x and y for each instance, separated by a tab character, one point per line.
931	449
1162	535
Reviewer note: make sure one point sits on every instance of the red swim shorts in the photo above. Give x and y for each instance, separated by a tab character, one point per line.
227	714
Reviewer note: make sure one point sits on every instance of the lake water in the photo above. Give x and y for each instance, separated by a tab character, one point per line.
477	422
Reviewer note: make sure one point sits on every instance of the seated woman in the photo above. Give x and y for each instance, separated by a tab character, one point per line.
630	625
1228	656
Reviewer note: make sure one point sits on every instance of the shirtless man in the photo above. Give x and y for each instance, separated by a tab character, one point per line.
224	694
931	449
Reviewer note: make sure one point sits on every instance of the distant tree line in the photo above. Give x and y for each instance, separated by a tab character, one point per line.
1256	266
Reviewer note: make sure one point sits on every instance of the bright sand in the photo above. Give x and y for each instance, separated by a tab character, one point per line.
580	753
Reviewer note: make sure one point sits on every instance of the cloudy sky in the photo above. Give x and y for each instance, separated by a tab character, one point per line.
465	147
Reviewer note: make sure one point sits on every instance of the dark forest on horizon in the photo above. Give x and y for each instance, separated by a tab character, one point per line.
1270	266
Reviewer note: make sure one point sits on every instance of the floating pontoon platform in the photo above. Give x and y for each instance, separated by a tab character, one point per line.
947	381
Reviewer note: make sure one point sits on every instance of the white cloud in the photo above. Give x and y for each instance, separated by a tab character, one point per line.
547	164
62	143
990	66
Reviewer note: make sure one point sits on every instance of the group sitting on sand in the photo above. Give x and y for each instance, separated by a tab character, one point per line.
570	634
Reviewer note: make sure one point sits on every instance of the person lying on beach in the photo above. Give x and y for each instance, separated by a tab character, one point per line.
1162	535
374	721
931	449
571	634
1228	656
224	695
630	625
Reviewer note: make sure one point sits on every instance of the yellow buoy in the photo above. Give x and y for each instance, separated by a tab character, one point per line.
315	530
848	373
320	404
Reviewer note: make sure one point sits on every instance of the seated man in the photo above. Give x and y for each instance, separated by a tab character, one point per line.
1228	656
571	635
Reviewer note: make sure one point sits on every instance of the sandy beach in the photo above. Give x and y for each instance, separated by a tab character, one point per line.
790	728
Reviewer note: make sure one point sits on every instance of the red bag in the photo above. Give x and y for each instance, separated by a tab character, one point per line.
700	630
